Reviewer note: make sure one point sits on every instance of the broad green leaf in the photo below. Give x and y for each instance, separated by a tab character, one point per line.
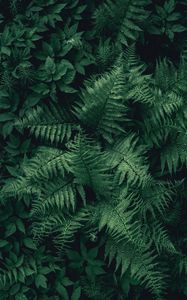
179	28
62	291
3	243
20	225
6	50
76	294
14	289
28	242
41	281
66	281
93	253
7	116
41	88
10	230
50	65
20	296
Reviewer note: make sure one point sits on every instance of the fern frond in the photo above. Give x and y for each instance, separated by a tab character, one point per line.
168	77
62	227
128	161
160	237
46	164
174	154
48	124
102	105
143	265
162	99
69	227
119	224
134	15
140	90
118	217
154	199
58	195
18	187
55	196
165	105
168	96
146	269
140	85
88	164
156	134
182	264
22	269
131	59
124	17
159	119
106	54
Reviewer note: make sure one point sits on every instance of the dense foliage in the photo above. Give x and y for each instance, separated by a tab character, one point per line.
93	153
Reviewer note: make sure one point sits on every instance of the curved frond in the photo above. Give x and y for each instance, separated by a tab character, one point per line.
55	196
46	164
125	17
174	154
88	164
143	265
102	106
156	232
154	199
62	227
129	162
48	124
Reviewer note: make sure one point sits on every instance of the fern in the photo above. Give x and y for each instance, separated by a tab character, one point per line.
155	199
160	237
113	172
106	54
127	159
134	15
161	97
48	124
143	265
69	227
55	196
140	86
119	223
58	195
18	187
47	163
182	264
62	227
173	155
126	17
22	269
88	164
102	106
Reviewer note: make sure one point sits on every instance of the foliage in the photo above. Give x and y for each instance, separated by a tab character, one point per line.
167	20
93	154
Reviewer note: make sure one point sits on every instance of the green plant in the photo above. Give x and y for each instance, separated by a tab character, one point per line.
93	153
166	21
120	173
123	18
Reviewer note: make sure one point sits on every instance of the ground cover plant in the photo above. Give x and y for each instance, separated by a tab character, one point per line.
93	152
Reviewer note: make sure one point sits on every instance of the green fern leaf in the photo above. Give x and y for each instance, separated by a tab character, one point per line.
143	265
48	124
128	161
88	164
102	105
